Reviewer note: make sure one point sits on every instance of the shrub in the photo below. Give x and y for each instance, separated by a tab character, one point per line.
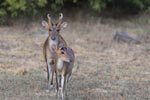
16	7
13	8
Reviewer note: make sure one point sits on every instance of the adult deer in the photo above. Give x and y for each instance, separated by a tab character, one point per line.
51	43
63	69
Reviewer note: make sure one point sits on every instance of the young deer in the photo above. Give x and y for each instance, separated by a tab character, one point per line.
63	69
51	43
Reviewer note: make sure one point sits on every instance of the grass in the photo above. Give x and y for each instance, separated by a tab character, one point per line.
104	69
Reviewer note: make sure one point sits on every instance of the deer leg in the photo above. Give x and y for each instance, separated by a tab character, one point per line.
63	83
67	80
57	86
59	80
50	74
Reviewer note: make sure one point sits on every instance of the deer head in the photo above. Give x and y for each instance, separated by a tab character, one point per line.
63	54
54	28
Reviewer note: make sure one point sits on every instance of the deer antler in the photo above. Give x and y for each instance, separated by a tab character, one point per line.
60	20
49	20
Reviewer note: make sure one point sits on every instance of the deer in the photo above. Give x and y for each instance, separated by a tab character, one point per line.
51	43
63	69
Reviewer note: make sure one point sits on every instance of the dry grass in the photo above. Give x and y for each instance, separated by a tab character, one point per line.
104	69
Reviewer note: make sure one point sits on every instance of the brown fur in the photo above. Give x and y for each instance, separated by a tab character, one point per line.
46	44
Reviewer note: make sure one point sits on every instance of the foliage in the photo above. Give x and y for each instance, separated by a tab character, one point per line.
16	7
99	5
131	5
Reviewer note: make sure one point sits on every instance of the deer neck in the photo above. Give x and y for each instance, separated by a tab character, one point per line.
53	43
60	64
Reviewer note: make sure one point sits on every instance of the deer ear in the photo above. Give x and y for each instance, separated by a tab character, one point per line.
45	24
63	25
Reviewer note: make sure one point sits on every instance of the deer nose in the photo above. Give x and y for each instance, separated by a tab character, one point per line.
53	38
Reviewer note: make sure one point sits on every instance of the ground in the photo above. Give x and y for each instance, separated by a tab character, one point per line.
104	69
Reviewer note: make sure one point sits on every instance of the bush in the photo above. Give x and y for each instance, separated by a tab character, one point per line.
130	5
13	8
16	7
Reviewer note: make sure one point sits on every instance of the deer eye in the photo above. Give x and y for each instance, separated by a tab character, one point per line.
62	48
62	52
58	30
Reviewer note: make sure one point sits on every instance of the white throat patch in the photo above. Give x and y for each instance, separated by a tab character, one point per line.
60	64
53	43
